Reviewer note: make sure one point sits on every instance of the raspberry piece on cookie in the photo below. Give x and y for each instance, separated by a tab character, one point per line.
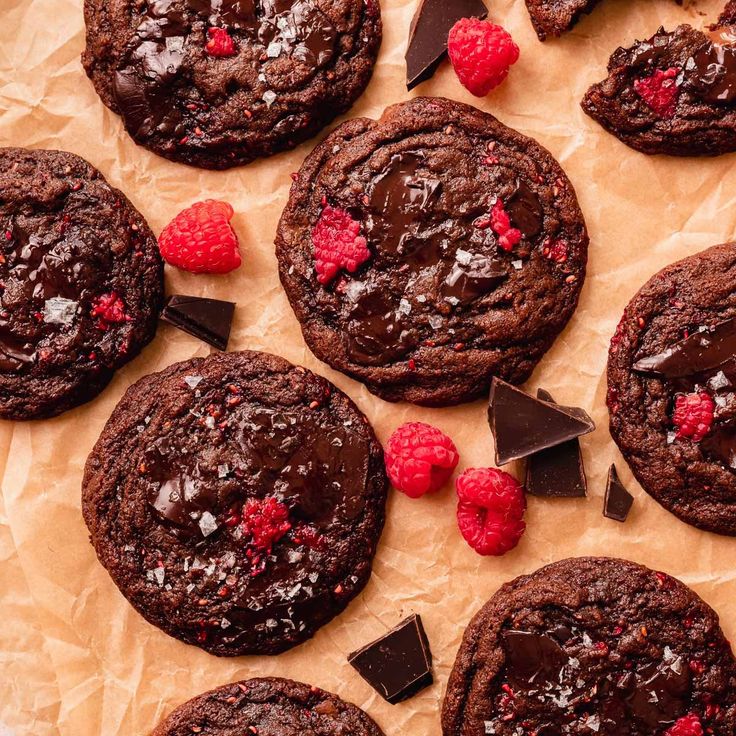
338	244
200	239
686	726
693	415
220	44
660	91
481	54
420	458
490	510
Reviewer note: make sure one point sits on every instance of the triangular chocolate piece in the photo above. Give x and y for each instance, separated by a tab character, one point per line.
618	500
399	664
523	425
701	351
428	34
208	319
557	472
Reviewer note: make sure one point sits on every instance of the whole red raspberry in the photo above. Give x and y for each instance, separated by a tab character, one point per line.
508	236
686	726
265	521
419	458
481	54
337	244
490	510
693	415
220	44
109	309
199	239
660	91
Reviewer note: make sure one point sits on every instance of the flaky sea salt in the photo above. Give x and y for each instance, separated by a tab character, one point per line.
207	523
59	311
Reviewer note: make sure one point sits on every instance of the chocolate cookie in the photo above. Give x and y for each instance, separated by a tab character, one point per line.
554	17
674	93
218	83
81	282
269	706
690	470
592	646
427	251
236	501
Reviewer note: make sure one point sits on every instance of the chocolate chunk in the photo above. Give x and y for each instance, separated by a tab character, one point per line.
557	472
523	425
428	34
399	664
699	352
208	319
618	500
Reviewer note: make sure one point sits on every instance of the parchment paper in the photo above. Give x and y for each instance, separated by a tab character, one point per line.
75	659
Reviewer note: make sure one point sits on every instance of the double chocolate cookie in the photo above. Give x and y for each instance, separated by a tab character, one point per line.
268	706
81	282
218	83
672	388
430	250
236	501
593	646
674	93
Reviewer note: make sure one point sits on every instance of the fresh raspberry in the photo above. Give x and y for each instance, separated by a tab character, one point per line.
693	415
481	54
220	44
508	236
490	510
686	726
109	309
199	239
265	521
420	458
660	91
337	244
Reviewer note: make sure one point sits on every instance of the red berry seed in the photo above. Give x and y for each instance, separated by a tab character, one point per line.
419	458
490	510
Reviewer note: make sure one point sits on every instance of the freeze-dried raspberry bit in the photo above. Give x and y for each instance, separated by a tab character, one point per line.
265	521
199	239
338	244
688	725
220	43
693	415
490	510
660	91
420	458
508	236
481	54
108	309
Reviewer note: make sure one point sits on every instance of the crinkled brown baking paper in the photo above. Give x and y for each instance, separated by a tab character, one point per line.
75	659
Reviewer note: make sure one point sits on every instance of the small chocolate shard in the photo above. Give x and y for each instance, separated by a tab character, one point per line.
209	320
523	425
557	472
618	500
699	352
399	664
428	34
